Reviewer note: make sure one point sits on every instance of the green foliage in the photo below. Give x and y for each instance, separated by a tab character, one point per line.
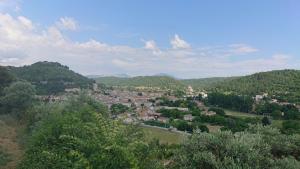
172	113
283	84
231	101
218	111
278	111
79	134
5	78
118	108
162	82
18	97
206	83
182	125
4	157
253	149
291	126
266	121
51	77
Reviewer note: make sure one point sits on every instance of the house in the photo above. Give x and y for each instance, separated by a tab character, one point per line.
188	117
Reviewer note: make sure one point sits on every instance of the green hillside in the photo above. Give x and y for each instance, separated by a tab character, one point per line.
205	83
284	84
162	82
50	77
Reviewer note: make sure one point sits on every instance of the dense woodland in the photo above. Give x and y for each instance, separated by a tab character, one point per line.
50	77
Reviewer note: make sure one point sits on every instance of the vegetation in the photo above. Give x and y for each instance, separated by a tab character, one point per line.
161	82
4	157
5	78
282	84
80	135
258	147
50	77
117	109
231	101
206	83
17	99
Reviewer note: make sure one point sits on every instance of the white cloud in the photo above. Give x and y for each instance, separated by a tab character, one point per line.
67	23
21	42
178	43
151	45
242	48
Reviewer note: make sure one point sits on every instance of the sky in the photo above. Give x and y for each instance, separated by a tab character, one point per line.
185	39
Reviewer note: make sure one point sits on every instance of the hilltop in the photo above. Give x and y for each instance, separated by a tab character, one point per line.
283	84
161	82
50	77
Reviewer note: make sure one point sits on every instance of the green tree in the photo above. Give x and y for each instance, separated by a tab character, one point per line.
266	121
18	97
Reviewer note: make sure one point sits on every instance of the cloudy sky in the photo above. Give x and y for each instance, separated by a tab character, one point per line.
186	39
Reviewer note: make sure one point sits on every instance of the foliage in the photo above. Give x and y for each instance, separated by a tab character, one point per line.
82	137
118	108
4	157
161	82
231	101
18	97
278	111
218	111
266	121
254	149
283	84
50	77
291	126
5	78
171	113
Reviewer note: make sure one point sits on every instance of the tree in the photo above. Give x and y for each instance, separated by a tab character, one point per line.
118	108
18	97
266	121
84	137
5	78
252	149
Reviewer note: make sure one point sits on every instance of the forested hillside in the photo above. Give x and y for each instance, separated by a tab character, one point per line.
284	84
205	83
50	77
162	82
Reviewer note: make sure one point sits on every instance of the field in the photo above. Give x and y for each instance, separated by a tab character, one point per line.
164	136
239	114
275	123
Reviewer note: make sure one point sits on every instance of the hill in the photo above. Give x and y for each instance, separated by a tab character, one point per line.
205	83
161	82
283	84
50	77
5	78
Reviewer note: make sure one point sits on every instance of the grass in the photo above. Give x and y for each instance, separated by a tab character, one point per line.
275	123
240	114
164	136
11	152
4	157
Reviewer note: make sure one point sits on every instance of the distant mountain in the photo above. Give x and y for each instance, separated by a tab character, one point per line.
113	75
162	82
51	77
283	84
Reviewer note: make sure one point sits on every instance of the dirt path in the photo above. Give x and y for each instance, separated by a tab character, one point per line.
9	141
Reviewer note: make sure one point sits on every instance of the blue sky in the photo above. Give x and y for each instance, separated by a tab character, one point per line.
186	39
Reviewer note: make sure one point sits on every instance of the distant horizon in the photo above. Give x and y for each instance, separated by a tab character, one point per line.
126	75
184	39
